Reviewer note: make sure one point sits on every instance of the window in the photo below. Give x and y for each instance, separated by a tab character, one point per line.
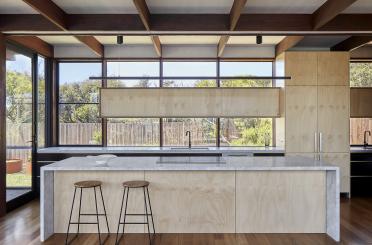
133	131
245	69
79	122
360	76
137	71
186	73
41	102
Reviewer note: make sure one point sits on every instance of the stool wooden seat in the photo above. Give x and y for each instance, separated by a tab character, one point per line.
127	185
136	184
88	184
94	185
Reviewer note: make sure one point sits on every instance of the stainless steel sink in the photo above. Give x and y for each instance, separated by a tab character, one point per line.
191	160
191	149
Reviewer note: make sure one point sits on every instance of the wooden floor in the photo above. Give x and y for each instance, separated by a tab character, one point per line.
22	227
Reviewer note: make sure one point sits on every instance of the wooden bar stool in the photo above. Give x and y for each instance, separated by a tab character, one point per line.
127	186
84	185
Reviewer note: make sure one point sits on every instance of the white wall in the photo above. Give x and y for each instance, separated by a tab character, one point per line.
169	51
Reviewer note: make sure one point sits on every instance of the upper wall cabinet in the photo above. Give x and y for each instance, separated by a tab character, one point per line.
302	67
333	68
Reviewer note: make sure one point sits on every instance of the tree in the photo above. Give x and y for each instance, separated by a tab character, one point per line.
361	74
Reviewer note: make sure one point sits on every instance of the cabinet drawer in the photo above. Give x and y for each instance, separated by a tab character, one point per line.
361	186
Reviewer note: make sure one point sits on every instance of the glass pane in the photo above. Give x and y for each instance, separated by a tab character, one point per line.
357	128
133	132
361	74
189	83
74	83
79	124
41	102
18	124
133	69
189	68
245	131
246	69
203	131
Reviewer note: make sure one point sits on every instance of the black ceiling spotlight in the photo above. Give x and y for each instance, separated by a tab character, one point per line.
258	39
119	39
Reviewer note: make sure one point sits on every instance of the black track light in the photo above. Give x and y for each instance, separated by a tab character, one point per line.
119	39
258	39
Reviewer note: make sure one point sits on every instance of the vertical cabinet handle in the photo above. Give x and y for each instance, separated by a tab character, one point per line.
320	142
316	142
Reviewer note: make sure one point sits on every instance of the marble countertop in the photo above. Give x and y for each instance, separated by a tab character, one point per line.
189	164
149	150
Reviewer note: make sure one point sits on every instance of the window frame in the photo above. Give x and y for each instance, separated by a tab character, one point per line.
161	60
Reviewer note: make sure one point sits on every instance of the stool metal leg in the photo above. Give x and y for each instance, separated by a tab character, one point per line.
104	209
95	199
81	196
152	218
147	216
125	209
69	222
121	211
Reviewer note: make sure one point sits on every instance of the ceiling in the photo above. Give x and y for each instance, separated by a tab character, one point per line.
181	6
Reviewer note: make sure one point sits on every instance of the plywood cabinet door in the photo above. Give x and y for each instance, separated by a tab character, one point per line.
301	119
301	67
333	118
333	68
341	160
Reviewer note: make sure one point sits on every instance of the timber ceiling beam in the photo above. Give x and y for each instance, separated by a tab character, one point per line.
165	24
324	14
33	43
352	43
328	11
235	12
144	13
59	18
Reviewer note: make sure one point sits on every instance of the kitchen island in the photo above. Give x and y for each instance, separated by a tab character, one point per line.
230	194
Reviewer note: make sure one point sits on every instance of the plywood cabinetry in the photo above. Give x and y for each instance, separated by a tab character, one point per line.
317	107
333	118
301	118
302	67
333	68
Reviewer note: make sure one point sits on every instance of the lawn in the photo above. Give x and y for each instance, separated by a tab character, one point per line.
18	180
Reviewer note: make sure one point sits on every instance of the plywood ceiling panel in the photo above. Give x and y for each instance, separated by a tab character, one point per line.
283	6
97	6
242	40
360	7
189	6
15	7
60	40
189	39
109	40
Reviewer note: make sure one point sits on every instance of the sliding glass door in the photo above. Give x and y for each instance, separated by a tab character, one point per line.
20	135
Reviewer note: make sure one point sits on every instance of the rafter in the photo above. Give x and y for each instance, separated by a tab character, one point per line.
34	43
235	12
58	17
144	13
352	43
328	11
287	43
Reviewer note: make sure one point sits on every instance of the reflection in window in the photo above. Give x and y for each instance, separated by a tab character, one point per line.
79	123
361	74
245	131
135	69
357	128
203	131
133	132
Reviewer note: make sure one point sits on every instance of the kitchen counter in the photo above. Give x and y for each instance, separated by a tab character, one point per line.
360	149
202	194
156	150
